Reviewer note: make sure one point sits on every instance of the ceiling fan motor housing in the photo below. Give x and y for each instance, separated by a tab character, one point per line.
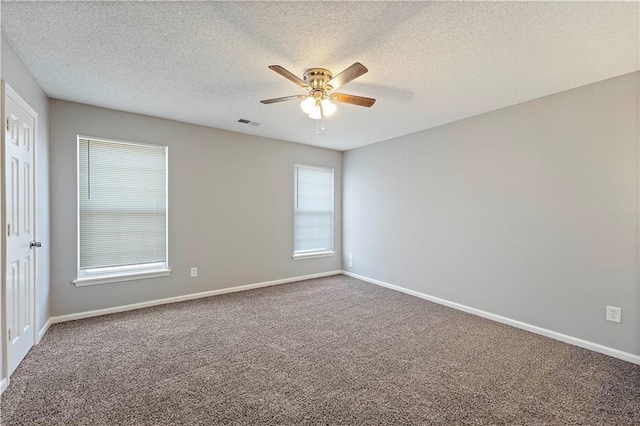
317	78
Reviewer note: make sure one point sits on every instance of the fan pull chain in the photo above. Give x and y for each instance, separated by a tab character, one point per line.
320	125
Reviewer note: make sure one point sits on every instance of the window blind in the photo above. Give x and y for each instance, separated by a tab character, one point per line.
122	204
313	209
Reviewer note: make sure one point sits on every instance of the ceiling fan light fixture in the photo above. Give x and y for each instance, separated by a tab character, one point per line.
318	82
311	107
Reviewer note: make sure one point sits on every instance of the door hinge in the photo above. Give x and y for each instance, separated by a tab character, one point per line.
8	124
9	333
8	229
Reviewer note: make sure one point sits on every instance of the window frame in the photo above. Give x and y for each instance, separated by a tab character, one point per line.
112	274
315	253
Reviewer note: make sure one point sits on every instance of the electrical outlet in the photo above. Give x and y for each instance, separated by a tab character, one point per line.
194	272
614	314
350	260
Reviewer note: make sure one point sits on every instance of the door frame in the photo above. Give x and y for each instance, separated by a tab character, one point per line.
8	91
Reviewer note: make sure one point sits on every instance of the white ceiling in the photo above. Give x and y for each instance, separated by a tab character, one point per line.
429	62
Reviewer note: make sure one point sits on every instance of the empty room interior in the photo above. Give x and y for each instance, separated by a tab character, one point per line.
337	213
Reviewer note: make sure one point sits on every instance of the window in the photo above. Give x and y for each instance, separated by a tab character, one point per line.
122	211
312	212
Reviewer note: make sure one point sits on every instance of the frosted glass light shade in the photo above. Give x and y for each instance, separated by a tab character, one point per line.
327	107
307	105
315	113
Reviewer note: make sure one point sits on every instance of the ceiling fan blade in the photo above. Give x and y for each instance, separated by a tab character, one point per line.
351	73
352	99
289	76
285	98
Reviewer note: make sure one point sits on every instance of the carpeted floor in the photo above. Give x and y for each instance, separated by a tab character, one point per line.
327	351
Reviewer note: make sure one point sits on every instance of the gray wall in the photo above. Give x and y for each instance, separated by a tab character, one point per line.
529	212
16	74
230	207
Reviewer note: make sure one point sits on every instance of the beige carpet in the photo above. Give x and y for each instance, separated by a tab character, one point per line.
328	351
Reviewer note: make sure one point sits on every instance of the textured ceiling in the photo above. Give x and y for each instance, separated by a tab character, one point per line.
429	62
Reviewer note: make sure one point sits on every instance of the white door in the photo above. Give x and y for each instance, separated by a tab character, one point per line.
19	226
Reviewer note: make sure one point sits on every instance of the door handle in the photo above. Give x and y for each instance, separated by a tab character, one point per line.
33	244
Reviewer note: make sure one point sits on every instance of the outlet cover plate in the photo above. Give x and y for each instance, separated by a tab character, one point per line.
614	314
194	272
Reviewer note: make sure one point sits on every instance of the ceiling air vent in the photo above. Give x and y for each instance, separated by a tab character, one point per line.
252	123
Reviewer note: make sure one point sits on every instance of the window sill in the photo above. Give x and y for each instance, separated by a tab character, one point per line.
313	254
106	279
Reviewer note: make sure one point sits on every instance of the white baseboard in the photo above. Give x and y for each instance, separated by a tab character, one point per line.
3	385
44	330
626	356
98	312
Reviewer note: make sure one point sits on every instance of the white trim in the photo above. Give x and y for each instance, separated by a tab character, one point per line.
106	279
4	365
312	254
626	356
98	312
638	235
8	91
313	166
151	145
44	330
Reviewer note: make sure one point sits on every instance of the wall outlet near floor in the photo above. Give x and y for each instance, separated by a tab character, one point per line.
350	260
614	314
194	272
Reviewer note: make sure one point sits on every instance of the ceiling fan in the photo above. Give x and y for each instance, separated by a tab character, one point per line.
319	84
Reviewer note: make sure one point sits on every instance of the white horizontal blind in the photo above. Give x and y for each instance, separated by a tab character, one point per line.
123	204
313	209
